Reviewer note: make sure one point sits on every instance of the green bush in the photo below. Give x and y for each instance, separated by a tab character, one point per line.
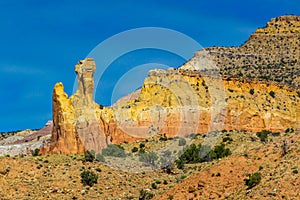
289	130
225	139
251	91
253	180
100	157
276	134
181	142
272	94
134	149
98	169
193	154
154	186
142	145
142	151
221	152
179	163
263	135
163	138
88	178
114	150
89	156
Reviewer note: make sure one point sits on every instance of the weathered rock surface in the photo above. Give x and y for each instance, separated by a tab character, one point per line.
65	137
194	103
79	123
86	123
251	87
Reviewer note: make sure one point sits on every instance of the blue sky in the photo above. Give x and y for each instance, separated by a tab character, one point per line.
41	41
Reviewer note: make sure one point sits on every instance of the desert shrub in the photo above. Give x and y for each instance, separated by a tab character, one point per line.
142	145
89	156
39	166
221	152
35	152
251	91
276	134
145	195
142	151
225	139
179	163
287	130
253	180
263	135
98	169
114	150
134	149
100	157
170	197
154	186
191	154
163	138
196	154
88	178
181	142
148	158
166	161
272	94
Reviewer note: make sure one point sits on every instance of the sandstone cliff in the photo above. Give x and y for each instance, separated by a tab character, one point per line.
79	123
251	87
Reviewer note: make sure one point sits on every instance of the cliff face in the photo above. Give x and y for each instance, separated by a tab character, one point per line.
64	137
76	126
79	123
191	103
251	87
86	122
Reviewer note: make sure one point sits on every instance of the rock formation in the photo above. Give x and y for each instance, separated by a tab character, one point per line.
65	138
76	126
86	122
251	87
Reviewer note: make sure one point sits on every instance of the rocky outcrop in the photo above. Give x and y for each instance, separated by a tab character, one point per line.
86	122
252	87
65	138
79	123
76	127
271	54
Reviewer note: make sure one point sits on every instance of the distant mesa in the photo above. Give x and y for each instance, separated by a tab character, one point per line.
209	92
